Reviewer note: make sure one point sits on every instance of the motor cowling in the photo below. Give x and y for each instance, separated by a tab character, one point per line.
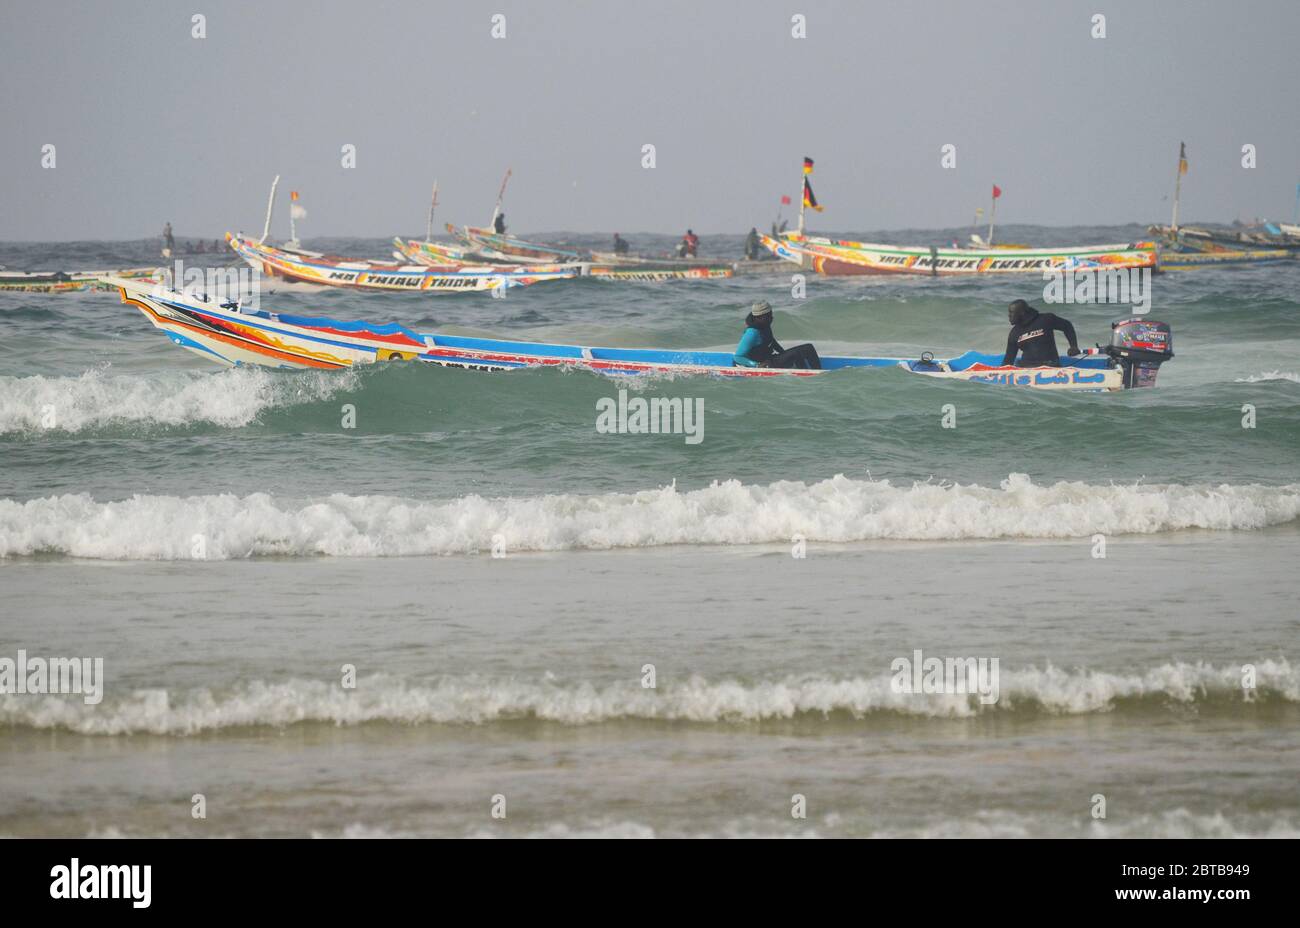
1139	347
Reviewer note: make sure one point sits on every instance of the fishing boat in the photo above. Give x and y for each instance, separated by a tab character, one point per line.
1204	238
67	281
846	257
1178	256
432	253
228	334
1195	246
444	254
335	271
508	245
843	257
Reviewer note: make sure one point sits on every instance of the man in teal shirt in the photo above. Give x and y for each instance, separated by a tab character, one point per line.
759	348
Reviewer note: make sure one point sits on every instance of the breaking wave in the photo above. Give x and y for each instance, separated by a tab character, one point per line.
476	700
836	510
1270	375
97	399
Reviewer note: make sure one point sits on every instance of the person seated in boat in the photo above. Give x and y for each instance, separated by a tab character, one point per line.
620	245
689	246
759	348
1033	337
751	244
499	224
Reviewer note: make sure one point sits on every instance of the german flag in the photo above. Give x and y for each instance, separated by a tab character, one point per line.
1182	158
807	165
808	198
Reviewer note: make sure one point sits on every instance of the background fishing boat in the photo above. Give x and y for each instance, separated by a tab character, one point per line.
67	282
337	271
517	248
444	254
439	254
843	257
847	257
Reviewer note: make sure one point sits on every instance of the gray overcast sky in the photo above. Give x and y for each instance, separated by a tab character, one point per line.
153	125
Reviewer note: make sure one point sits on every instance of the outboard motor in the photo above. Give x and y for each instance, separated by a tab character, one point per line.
1139	347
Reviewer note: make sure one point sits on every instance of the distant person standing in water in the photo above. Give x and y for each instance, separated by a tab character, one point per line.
169	242
751	244
620	245
499	224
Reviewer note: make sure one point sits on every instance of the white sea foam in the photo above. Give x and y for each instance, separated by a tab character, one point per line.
475	700
231	398
987	823
1173	823
1270	375
836	510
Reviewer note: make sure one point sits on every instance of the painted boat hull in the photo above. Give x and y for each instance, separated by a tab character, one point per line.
843	257
509	245
68	282
225	335
433	253
334	271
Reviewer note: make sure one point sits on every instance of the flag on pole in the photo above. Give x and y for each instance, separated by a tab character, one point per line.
785	200
293	195
997	191
807	165
1182	157
296	210
809	199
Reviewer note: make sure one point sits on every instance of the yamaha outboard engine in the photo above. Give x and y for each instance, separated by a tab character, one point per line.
1139	347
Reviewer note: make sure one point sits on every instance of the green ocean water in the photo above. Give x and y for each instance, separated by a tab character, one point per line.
137	412
323	545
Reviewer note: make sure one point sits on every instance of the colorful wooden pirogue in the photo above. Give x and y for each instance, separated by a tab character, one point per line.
224	332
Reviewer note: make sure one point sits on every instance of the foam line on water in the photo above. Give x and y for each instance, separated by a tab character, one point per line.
478	700
836	510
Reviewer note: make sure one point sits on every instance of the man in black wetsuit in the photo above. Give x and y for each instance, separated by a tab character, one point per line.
1033	337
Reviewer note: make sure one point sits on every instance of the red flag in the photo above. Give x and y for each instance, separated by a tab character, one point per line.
785	201
997	191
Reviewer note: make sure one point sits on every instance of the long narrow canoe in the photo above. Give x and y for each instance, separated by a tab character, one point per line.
431	253
516	247
67	281
843	257
1198	238
444	254
226	334
335	271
